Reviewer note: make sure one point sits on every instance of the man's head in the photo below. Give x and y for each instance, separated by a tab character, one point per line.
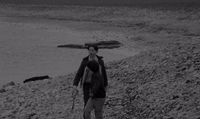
92	49
93	66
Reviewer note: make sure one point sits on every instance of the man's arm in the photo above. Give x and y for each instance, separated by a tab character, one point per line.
79	74
104	74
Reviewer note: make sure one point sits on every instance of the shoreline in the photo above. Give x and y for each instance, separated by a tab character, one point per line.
159	74
138	29
44	54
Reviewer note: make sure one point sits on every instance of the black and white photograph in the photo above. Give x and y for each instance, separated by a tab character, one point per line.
99	59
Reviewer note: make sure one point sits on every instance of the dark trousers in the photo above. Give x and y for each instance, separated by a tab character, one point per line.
86	92
90	104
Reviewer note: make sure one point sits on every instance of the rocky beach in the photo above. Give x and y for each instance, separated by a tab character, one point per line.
158	76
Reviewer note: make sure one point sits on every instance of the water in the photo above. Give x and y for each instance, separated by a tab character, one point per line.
28	48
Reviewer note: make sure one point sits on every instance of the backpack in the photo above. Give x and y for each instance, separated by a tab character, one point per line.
96	78
97	84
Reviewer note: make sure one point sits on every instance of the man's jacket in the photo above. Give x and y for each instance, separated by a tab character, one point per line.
82	67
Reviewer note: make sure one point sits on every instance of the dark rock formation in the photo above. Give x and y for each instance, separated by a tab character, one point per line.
101	44
37	78
76	46
112	42
105	44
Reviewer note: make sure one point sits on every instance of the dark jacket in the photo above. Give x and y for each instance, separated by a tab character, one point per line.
87	87
81	69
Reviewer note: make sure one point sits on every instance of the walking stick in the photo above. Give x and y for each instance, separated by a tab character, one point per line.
73	102
74	116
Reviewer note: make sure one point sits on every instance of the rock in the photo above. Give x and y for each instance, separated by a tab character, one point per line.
2	90
109	47
76	46
104	43
188	81
100	44
37	78
29	116
8	85
175	97
170	118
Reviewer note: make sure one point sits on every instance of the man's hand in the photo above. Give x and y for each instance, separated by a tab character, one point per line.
74	91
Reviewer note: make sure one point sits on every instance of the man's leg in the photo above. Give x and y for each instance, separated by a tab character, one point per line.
86	98
88	108
98	107
86	92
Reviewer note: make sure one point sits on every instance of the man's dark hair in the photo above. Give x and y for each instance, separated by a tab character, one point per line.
93	65
94	46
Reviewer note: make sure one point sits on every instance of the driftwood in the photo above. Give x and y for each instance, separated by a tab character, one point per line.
104	43
108	47
37	78
101	44
76	46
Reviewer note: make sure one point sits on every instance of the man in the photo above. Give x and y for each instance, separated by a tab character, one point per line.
86	76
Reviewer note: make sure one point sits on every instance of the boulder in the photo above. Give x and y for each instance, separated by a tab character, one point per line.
104	43
76	46
101	44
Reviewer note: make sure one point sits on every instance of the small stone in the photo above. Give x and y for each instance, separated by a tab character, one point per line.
2	90
175	97
170	118
188	81
179	108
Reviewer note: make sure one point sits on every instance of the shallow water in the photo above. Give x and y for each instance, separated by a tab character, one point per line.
28	48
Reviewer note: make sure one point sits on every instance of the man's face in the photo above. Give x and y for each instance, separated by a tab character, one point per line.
92	51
